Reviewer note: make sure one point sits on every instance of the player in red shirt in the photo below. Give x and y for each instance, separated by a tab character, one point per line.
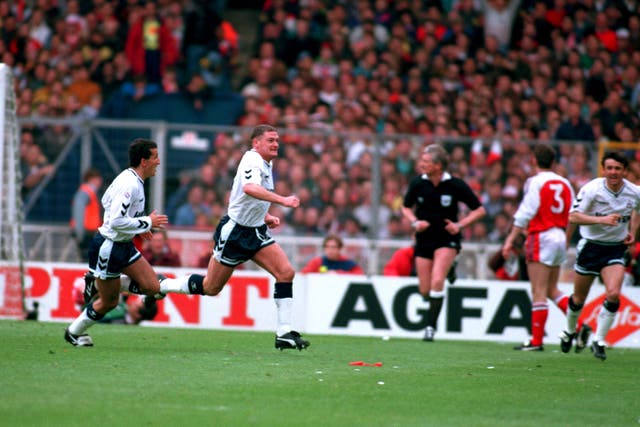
544	214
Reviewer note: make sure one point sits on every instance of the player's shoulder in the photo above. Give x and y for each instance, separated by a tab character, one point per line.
127	180
251	156
595	185
550	176
631	188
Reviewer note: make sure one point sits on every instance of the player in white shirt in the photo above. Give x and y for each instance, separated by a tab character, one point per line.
243	234
544	214
606	210
112	251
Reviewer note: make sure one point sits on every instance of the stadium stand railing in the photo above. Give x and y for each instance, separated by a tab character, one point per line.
102	144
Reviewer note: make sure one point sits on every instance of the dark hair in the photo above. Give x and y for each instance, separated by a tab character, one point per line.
90	173
140	149
261	130
614	155
545	155
334	238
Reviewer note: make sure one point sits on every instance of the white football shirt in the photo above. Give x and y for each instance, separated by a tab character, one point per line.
123	204
244	209
596	199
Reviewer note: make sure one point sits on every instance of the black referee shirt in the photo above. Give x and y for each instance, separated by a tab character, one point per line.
435	204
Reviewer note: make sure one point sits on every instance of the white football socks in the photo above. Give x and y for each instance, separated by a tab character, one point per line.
178	285
285	308
572	319
605	320
81	323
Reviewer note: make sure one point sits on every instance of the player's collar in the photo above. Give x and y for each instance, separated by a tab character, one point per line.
444	177
268	163
610	190
136	174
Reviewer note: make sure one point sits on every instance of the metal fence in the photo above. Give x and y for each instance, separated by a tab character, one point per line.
103	144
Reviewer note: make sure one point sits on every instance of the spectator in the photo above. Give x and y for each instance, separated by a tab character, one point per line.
351	229
188	211
150	47
131	309
35	168
81	86
197	91
498	20
159	252
401	263
574	127
514	267
139	88
332	259
39	29
200	24
86	211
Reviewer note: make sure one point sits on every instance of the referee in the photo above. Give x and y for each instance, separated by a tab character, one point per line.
431	204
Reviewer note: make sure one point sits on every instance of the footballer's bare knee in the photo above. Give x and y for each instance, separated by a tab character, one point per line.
210	287
286	276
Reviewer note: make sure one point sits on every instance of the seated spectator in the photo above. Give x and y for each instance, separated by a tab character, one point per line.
139	88
131	309
81	85
351	229
197	91
633	265
189	211
575	128
332	259
401	263
35	167
158	251
513	268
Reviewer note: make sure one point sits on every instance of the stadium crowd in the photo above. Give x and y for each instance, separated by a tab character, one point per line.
486	78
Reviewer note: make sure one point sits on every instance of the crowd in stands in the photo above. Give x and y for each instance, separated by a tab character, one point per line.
494	75
561	70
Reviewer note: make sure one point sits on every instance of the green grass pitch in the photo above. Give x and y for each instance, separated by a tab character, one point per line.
142	376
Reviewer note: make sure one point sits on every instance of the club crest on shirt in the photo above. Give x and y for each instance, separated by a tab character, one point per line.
445	200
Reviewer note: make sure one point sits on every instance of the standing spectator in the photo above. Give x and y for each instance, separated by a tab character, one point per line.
435	196
38	28
606	210
150	46
200	24
158	251
544	212
332	259
498	20
86	212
